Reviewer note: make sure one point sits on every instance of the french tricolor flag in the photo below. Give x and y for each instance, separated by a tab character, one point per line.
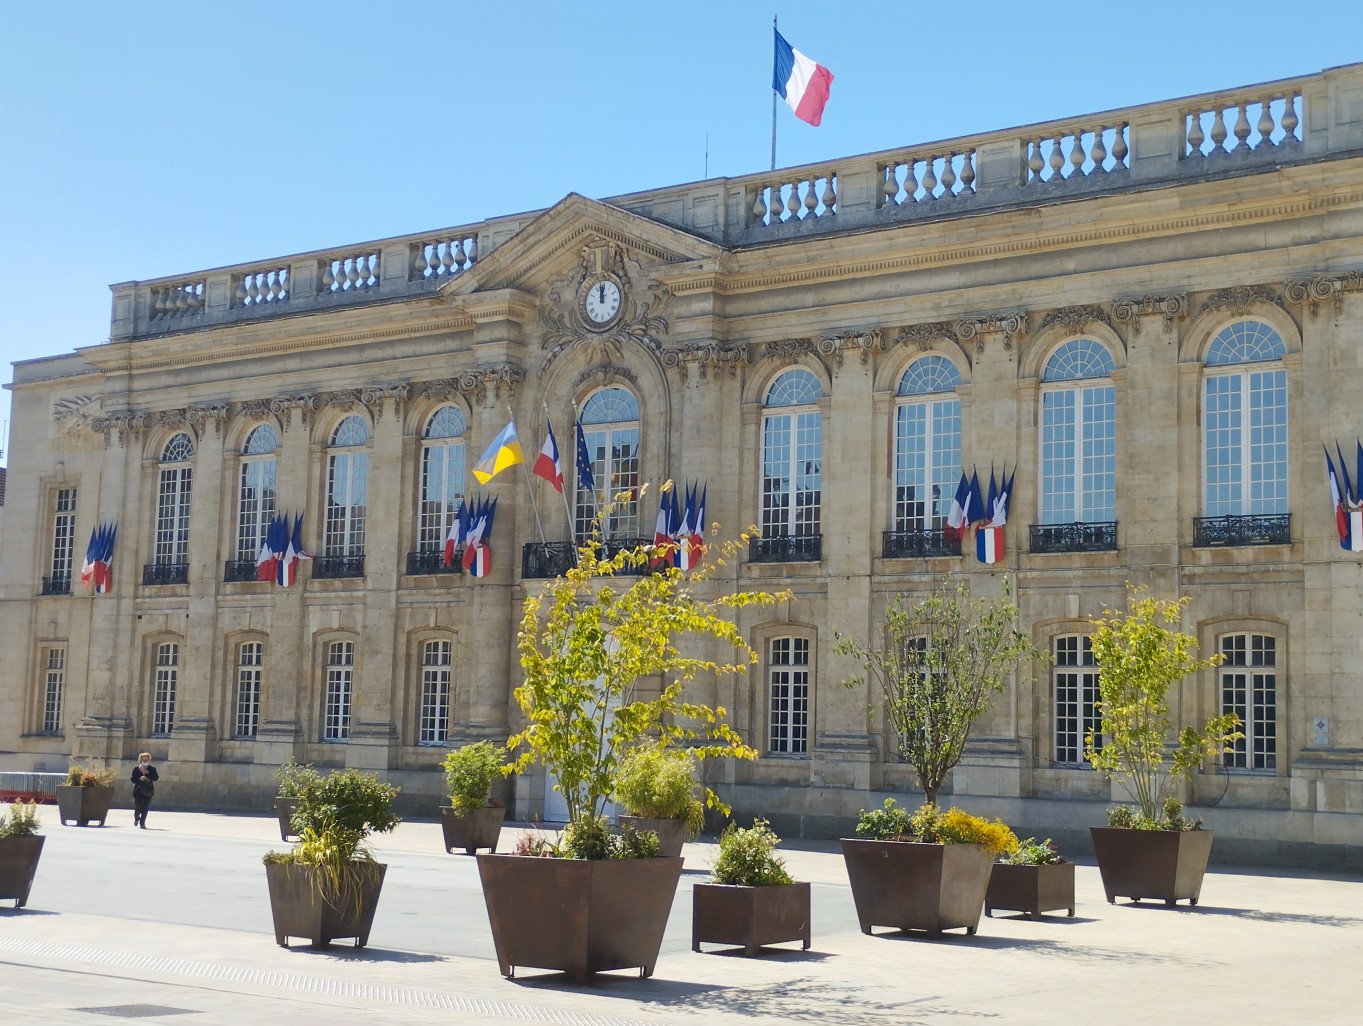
801	82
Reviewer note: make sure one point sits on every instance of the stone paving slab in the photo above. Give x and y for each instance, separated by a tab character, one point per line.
1261	947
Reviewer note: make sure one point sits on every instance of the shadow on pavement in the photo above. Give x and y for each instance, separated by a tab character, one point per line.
1259	915
353	954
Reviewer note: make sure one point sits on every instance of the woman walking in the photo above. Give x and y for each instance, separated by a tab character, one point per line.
144	786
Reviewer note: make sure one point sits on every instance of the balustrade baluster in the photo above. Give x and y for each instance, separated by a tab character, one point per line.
1034	162
419	265
1265	125
1057	159
948	177
793	201
1195	134
329	279
446	260
1289	119
889	188
1098	151
759	207
1218	131
1119	147
830	194
461	258
929	178
1077	153
811	200
968	171
1242	126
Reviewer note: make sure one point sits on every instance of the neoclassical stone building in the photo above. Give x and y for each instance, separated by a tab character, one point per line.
1153	314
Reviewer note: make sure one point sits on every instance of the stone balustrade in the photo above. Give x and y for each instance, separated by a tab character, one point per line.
1273	124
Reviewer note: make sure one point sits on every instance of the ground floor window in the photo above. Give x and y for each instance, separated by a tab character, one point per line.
249	659
1249	689
435	693
1075	688
54	680
788	690
163	688
340	680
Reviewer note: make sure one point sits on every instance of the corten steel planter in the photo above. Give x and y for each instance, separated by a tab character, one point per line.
1162	864
671	833
284	808
18	864
1030	889
84	804
480	828
300	908
749	916
912	886
576	916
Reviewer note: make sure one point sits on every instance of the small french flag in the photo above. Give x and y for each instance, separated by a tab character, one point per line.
801	82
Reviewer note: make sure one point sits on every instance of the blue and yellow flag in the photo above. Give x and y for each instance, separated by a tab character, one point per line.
505	451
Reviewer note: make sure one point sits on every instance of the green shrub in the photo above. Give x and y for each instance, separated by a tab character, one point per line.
660	783
536	845
469	773
591	838
745	857
1030	853
930	824
293	777
890	823
86	776
1126	817
335	814
22	820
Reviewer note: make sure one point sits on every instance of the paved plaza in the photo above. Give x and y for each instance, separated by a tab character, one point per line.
122	922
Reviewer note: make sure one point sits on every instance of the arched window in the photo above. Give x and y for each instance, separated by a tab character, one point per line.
347	480
610	425
927	444
1249	689
1244	418
256	491
173	489
442	477
792	458
1078	436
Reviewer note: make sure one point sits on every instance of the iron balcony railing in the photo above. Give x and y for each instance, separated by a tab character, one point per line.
235	571
57	584
338	566
165	573
550	559
808	549
1095	537
432	561
1263	529
918	544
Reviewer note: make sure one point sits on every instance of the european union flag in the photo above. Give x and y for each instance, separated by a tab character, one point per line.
585	478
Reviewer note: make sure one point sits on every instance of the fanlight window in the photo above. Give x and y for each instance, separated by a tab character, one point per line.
260	441
929	375
178	449
794	387
350	431
1244	342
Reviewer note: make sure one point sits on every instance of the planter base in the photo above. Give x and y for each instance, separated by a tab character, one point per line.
911	886
481	828
1030	890
1164	864
284	809
750	917
578	917
18	864
84	804
671	833
300	910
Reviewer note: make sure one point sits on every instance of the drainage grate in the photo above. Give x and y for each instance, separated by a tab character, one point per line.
138	1011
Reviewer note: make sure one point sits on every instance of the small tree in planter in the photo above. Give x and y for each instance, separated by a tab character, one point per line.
20	848
293	778
1141	656
659	789
1032	879
586	641
472	820
86	795
752	900
327	885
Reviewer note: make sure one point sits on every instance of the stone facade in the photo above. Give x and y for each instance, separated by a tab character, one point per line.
1084	292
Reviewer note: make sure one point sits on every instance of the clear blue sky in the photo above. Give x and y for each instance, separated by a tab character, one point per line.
148	139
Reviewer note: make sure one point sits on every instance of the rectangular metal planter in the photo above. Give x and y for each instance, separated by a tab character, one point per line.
671	833
480	828
1030	889
284	809
575	916
84	804
1164	864
18	864
301	908
749	917
911	886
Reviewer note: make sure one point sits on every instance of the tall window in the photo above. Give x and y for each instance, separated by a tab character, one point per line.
54	680
347	474
163	688
250	656
1244	419
442	477
1075	683
1078	432
435	693
788	695
172	502
256	491
63	535
792	455
336	700
1249	688
927	459
610	425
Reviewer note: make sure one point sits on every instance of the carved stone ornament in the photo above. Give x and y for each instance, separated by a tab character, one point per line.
1171	307
640	319
1011	325
924	335
785	348
704	355
123	423
1320	288
863	342
1075	318
74	415
606	375
477	385
196	416
1240	299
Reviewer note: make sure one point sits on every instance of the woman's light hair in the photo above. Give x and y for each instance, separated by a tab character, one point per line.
144	755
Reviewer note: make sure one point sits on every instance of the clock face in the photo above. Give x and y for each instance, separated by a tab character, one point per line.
602	301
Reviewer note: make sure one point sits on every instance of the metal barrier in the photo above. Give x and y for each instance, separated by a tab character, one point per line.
31	787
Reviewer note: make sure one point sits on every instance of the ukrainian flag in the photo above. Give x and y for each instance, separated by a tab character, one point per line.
505	451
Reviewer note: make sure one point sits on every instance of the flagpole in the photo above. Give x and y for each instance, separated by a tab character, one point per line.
773	96
530	485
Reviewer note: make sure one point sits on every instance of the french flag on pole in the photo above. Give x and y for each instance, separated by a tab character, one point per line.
801	82
547	464
989	538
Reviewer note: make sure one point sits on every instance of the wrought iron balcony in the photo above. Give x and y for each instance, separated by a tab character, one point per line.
338	566
165	573
432	561
547	559
1095	537
57	584
1264	529
808	549
918	544
237	570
